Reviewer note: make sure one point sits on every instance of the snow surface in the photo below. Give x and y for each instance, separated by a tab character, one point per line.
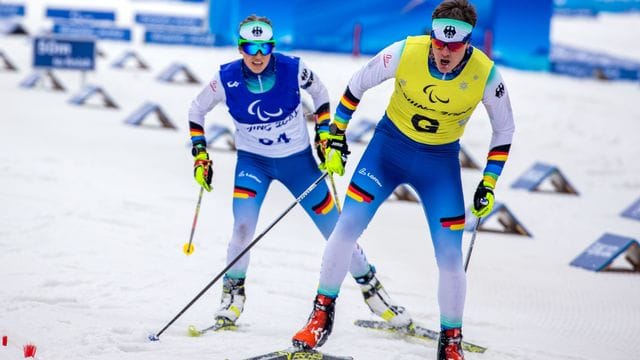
94	214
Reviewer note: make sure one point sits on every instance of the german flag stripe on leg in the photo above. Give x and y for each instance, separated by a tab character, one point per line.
358	194
325	205
453	223
243	193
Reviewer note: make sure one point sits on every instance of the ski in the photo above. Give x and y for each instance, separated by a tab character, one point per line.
414	331
294	353
221	324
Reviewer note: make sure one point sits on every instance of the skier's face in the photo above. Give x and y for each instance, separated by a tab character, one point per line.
256	63
448	57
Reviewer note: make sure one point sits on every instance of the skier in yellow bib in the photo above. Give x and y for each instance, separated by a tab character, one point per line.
439	80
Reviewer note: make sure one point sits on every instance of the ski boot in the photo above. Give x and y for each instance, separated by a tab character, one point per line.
232	302
450	345
319	325
379	301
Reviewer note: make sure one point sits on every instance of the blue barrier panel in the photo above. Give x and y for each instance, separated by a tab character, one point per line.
216	132
165	20
142	112
88	31
7	64
11	27
466	161
170	73
11	10
538	173
147	108
64	53
533	177
88	91
503	216
633	211
126	56
603	252
38	77
31	80
361	128
80	15
405	192
172	38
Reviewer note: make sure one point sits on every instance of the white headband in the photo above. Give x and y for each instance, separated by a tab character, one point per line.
450	30
256	31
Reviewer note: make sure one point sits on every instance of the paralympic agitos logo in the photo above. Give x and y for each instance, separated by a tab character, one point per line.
429	90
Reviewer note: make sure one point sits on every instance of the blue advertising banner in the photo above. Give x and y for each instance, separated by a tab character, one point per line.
87	31
64	53
164	20
81	15
10	10
173	38
366	27
592	7
582	63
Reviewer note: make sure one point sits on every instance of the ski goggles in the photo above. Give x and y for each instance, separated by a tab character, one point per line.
252	47
453	46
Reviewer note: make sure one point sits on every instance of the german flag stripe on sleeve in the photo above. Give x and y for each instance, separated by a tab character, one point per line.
495	163
197	134
243	193
349	101
195	129
358	194
322	114
453	223
347	105
325	206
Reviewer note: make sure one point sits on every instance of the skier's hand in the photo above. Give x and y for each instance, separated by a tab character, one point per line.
320	141
336	151
482	200
202	167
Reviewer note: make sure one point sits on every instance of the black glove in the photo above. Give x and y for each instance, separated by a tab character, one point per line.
483	200
338	141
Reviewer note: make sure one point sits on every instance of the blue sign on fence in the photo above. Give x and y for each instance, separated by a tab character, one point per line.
164	20
603	251
10	10
582	63
82	15
64	53
172	38
633	211
87	31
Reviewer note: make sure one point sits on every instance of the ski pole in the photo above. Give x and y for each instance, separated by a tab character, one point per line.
473	240
156	337
188	248
335	193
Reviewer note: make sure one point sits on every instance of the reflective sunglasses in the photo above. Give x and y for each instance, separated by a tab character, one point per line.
453	46
252	47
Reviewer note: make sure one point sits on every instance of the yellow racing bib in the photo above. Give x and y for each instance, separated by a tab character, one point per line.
429	110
